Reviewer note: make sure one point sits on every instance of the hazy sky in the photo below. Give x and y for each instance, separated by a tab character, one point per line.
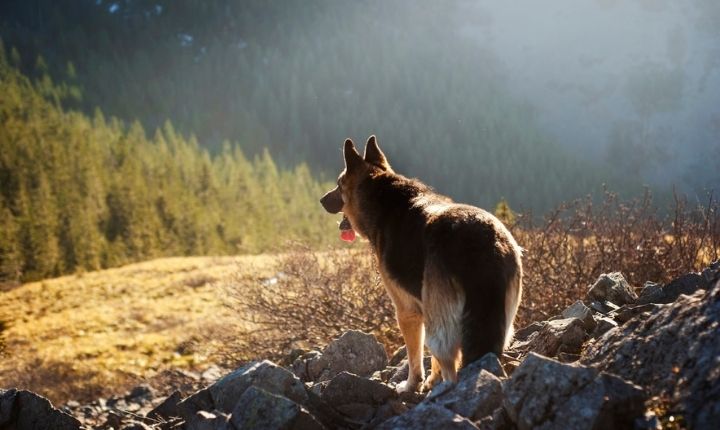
599	69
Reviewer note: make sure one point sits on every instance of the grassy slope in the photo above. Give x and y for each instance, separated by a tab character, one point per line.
93	333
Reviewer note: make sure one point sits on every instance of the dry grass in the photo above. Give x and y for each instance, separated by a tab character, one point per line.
92	334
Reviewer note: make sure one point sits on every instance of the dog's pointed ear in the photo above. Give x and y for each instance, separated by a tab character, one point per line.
353	159
374	155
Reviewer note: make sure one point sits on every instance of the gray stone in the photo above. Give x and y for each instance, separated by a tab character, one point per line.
204	420
137	425
224	394
474	396
399	355
627	312
259	409
583	313
686	284
427	416
545	394
565	335
347	388
355	352
24	410
300	365
525	332
168	408
612	287
489	362
603	306
673	352
604	324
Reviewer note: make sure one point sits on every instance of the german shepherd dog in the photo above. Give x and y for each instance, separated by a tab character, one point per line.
453	271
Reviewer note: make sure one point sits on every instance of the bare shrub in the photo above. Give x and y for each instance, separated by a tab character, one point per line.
578	241
314	297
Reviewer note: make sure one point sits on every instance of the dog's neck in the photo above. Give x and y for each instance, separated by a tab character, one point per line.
380	197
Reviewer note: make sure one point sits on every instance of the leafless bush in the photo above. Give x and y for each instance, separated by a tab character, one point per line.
314	297
575	243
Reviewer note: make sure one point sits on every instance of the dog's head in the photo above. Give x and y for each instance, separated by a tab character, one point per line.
343	198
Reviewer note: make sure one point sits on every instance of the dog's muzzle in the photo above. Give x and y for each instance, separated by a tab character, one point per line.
332	201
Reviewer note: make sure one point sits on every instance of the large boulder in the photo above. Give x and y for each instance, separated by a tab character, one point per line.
673	352
544	393
23	410
355	352
612	287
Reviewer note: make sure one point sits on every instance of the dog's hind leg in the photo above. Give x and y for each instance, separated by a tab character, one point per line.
443	306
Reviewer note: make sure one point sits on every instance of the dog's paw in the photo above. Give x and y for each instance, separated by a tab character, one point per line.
430	382
406	387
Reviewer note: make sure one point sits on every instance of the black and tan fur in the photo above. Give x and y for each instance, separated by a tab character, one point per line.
453	271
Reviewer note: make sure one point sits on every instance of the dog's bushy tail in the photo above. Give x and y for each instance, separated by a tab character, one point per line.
490	307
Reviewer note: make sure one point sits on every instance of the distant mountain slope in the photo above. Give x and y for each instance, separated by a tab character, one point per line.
299	77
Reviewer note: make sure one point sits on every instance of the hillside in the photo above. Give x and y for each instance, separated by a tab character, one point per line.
83	193
300	78
97	333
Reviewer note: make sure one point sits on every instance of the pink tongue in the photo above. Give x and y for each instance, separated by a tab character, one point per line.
347	235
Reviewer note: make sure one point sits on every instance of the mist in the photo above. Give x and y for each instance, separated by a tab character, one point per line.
537	103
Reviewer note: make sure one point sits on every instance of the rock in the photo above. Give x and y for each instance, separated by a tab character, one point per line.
224	394
474	396
565	335
627	312
347	388
25	410
168	408
355	352
603	307
427	416
260	409
399	355
204	420
712	272
401	372
686	284
390	409
142	392
355	397
612	287
525	332
583	313
673	352
603	325
499	420
543	393
489	362
300	365
135	425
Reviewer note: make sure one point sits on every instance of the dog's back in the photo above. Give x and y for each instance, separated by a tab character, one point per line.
470	250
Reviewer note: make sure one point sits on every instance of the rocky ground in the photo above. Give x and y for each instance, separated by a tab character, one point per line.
612	360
